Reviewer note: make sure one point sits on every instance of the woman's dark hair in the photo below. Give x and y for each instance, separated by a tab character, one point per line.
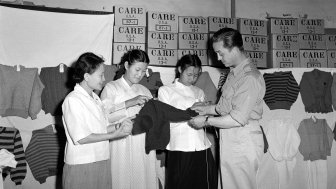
86	63
131	56
187	61
231	38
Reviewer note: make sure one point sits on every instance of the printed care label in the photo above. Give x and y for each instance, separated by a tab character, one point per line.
283	25
257	58
252	26
285	42
331	42
285	59
313	58
193	24
217	23
312	41
202	54
129	15
162	57
331	58
193	40
312	26
162	40
255	43
119	49
130	34
162	22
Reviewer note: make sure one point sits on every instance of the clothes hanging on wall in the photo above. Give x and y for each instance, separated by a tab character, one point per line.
282	90
154	119
45	152
20	92
10	139
205	83
316	139
58	83
283	140
333	91
315	88
152	82
7	159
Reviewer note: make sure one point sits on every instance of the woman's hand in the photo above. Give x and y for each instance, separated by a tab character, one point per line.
198	122
124	128
201	109
138	100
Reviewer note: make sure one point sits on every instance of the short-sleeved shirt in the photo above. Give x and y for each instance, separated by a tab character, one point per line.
182	136
82	116
242	94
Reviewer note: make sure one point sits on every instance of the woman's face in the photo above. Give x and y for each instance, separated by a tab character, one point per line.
96	80
135	72
189	76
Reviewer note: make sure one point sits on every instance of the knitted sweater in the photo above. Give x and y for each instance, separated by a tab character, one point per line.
10	139
57	86
154	119
20	92
316	139
45	152
282	90
315	88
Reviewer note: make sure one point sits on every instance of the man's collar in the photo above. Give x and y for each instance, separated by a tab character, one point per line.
239	68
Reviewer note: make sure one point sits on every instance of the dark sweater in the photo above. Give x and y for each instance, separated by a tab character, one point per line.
154	119
315	88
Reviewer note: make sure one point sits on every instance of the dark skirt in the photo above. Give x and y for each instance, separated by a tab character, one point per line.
194	170
95	175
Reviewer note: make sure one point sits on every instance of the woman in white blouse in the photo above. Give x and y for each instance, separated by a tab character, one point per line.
131	167
87	130
190	163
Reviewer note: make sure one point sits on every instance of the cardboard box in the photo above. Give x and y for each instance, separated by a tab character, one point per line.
312	41
193	40
217	23
119	50
284	42
331	58
161	40
331	42
193	24
283	25
312	26
162	57
130	34
255	43
202	54
257	58
252	26
129	15
284	59
313	58
162	21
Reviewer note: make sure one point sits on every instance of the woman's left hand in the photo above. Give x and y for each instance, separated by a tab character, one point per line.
197	122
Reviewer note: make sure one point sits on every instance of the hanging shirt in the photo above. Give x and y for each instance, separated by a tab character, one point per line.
182	136
82	116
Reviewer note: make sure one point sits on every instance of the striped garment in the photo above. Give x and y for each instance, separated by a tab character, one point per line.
282	90
44	153
10	140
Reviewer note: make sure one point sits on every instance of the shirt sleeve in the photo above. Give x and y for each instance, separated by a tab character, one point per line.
115	111
74	118
163	95
245	99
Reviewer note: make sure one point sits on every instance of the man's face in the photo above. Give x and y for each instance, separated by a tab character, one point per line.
224	54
